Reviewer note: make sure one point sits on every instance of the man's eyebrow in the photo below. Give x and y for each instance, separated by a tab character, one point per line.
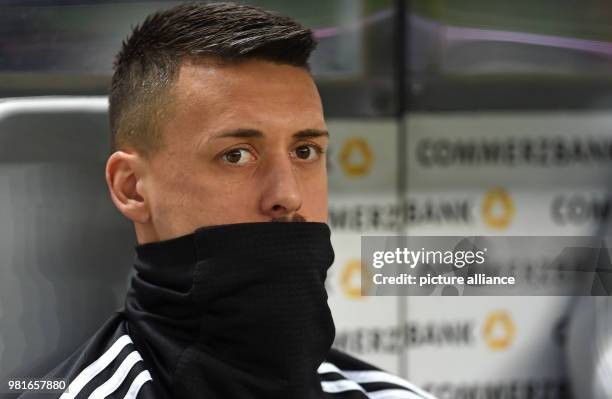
311	133
239	133
250	133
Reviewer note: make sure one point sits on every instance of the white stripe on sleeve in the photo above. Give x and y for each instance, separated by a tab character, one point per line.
138	382
363	377
117	378
95	368
327	367
393	394
340	386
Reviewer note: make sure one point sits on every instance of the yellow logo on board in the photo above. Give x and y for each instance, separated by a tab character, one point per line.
498	330
350	279
497	208
356	157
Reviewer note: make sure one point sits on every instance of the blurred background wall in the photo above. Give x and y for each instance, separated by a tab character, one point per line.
469	117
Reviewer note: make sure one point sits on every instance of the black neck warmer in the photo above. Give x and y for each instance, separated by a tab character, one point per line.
234	311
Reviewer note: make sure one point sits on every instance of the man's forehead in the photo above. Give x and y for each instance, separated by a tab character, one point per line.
207	75
222	95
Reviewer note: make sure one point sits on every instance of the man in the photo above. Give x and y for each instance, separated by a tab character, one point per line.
219	140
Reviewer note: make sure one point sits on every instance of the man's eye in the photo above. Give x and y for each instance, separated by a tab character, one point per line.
239	156
307	152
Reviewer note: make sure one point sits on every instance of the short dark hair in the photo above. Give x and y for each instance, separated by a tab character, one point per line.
150	57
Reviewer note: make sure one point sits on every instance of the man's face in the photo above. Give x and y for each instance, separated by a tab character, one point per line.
243	143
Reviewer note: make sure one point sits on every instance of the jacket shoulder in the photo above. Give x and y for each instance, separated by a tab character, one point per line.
345	376
107	366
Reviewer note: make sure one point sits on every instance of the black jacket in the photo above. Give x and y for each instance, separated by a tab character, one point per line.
228	312
110	366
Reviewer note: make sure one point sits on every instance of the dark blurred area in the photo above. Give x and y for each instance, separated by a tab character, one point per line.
461	55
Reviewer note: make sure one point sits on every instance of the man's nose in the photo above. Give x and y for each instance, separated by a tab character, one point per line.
281	196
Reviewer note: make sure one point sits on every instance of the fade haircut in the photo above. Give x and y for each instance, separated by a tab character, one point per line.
147	65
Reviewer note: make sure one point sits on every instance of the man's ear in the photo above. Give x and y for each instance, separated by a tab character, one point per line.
124	177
